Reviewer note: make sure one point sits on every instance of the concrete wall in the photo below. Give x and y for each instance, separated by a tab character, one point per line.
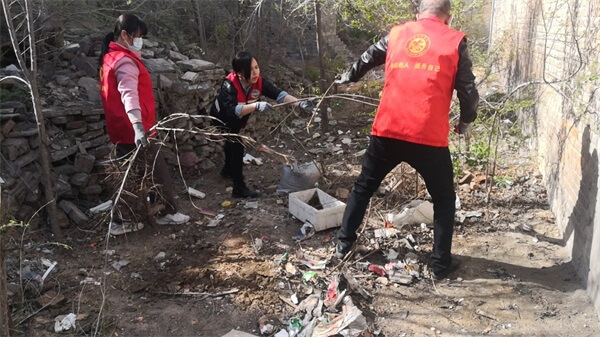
556	45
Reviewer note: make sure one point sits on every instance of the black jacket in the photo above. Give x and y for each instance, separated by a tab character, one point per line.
464	84
227	101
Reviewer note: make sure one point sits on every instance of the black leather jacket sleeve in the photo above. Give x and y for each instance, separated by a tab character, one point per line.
226	102
374	56
464	83
269	90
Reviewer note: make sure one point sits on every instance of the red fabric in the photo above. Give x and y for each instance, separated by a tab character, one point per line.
420	68
118	126
254	93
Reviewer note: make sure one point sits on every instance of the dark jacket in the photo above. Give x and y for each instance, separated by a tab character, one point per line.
227	100
464	84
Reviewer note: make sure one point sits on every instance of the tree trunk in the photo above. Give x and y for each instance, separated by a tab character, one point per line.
200	24
5	321
45	159
323	75
30	74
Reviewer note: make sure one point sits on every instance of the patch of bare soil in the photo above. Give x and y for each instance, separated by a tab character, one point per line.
195	280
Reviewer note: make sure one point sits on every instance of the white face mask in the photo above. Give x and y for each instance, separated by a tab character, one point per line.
138	42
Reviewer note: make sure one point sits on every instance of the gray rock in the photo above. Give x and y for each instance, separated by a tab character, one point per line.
73	212
12	148
150	43
62	80
157	66
79	179
84	163
92	88
195	65
191	77
88	64
177	56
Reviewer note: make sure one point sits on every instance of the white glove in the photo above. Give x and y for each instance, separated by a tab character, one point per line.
140	138
343	78
262	106
307	106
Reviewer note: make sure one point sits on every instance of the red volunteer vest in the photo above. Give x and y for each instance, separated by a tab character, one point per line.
118	126
254	93
420	68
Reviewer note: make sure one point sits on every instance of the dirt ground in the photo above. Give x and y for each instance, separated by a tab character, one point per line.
515	277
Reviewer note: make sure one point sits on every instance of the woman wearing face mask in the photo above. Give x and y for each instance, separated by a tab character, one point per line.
239	97
126	91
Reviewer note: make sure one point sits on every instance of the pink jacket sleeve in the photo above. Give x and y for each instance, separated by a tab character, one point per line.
127	73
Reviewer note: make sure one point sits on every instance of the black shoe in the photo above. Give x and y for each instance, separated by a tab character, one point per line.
341	249
440	274
243	192
225	173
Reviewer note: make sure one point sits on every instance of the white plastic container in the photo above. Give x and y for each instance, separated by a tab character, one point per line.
328	217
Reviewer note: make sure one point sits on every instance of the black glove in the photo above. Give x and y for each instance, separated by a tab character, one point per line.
343	78
307	106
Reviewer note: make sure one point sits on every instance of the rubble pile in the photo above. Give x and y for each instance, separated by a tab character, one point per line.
71	105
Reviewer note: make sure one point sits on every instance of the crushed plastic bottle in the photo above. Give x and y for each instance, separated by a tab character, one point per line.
294	327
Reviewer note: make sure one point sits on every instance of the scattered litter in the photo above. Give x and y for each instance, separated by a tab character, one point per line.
237	333
215	222
195	193
206	212
294	299
294	327
229	189
485	314
334	294
281	333
105	206
250	159
226	203
346	140
385	232
89	280
109	252
251	205
415	213
265	326
377	270
305	232
310	262
392	255
290	268
257	244
317	207
283	259
298	177
350	313
64	322
401	278
160	256
309	276
119	264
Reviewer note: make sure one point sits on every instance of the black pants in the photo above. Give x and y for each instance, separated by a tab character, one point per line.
234	160
160	172
434	165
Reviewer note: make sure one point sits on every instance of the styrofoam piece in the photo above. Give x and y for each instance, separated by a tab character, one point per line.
328	217
195	193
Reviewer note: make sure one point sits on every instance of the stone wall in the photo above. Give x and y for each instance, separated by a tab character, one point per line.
76	128
555	46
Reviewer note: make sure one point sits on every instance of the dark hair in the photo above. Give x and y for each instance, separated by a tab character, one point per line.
242	63
435	7
130	23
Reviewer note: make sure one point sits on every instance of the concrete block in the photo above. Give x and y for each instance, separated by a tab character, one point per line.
317	207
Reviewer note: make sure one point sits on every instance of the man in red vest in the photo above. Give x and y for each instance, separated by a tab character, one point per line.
425	60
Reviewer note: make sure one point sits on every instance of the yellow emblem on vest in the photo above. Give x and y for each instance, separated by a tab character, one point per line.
417	45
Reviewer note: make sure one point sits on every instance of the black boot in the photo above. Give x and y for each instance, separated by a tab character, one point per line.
240	190
225	172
